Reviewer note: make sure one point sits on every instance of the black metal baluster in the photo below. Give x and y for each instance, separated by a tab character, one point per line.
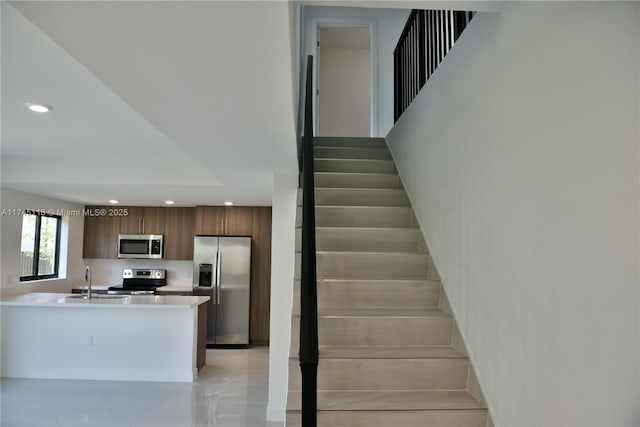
421	51
308	283
427	37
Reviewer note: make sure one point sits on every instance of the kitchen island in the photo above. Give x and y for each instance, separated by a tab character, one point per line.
124	337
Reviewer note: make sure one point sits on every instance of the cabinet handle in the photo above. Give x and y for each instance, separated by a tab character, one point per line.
139	225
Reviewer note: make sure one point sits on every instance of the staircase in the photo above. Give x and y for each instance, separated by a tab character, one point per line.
390	352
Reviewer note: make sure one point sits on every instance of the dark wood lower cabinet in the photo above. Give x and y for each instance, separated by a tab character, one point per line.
201	349
260	276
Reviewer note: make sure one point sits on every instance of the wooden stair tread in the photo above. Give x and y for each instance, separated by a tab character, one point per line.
386	400
380	312
391	352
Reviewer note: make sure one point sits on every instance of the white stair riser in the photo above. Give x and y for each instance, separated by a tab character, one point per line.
358	197
475	418
387	374
351	153
356	180
361	294
355	265
361	216
366	240
370	331
377	331
354	166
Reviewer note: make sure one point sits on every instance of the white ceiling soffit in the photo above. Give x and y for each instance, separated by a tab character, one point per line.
190	101
475	5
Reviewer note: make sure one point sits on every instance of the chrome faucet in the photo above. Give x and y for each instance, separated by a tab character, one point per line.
87	278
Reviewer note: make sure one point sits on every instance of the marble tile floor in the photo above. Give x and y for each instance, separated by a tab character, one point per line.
232	390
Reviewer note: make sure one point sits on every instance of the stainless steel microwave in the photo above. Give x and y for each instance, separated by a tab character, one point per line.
150	246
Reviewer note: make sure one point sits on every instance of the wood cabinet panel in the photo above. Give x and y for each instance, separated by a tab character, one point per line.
224	220
131	223
153	220
142	220
100	234
179	229
238	221
210	220
201	343
260	276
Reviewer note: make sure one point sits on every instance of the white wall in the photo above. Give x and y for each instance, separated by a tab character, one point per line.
282	264
71	265
388	24
521	159
345	101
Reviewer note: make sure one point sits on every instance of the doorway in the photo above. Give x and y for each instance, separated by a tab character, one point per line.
344	81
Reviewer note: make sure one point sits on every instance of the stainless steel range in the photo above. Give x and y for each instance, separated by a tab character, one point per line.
136	281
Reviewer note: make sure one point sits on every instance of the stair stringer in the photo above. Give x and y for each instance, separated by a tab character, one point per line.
474	386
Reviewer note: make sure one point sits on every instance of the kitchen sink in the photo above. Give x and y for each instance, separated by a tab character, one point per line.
101	298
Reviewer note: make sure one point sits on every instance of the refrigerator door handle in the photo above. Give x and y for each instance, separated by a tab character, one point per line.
218	284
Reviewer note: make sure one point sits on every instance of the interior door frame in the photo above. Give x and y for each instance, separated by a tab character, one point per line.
373	49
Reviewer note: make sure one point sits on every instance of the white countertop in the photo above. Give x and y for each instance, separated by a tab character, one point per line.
176	288
39	299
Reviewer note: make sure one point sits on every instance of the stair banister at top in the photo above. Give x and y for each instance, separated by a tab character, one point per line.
308	280
427	37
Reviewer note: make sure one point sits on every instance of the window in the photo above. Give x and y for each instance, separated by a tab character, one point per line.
40	246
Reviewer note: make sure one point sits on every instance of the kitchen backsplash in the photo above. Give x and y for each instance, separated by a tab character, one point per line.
109	271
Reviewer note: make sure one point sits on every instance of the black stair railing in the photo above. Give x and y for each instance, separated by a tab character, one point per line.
308	354
426	38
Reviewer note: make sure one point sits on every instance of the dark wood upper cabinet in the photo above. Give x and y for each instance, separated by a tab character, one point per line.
153	220
100	234
238	221
142	220
179	229
224	220
210	220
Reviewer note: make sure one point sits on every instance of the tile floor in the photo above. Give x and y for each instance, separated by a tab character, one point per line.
232	390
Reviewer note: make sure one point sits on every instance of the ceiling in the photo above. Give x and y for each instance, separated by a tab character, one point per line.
191	101
152	100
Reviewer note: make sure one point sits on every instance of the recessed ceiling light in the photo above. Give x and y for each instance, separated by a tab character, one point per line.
170	202
228	203
114	201
38	107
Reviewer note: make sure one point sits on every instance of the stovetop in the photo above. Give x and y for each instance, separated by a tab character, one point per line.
137	280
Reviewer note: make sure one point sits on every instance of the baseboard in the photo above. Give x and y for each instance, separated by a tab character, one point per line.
275	413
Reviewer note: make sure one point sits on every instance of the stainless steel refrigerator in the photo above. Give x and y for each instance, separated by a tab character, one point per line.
222	271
